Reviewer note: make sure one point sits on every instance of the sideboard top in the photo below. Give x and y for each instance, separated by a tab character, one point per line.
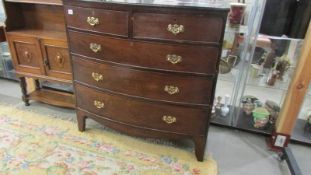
211	4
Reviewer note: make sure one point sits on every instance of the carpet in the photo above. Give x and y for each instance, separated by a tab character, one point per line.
31	143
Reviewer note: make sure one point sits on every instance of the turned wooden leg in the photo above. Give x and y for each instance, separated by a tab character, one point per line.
81	121
23	85
37	83
200	142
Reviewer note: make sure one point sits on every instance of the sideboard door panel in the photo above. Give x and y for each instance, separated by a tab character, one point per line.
26	54
56	59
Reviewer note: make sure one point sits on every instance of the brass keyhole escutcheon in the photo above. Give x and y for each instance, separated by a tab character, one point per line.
59	59
28	56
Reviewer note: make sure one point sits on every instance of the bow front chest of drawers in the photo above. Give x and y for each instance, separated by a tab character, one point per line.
146	69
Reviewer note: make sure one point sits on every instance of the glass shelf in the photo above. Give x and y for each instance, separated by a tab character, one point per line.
242	29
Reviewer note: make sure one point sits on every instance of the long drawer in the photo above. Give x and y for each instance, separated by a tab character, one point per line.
172	57
148	84
165	117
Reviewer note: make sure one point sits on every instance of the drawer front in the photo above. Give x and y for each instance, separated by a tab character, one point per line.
181	58
97	20
178	27
153	85
57	59
138	112
26	54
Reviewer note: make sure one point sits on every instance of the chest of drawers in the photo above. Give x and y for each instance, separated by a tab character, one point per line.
146	69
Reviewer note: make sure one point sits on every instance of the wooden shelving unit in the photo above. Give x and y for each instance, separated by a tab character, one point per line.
46	2
44	34
53	97
36	34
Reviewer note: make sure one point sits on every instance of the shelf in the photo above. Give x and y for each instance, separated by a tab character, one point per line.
299	134
246	123
45	34
218	119
237	30
258	82
44	2
53	97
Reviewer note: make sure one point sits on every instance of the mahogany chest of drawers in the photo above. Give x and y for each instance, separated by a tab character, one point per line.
146	69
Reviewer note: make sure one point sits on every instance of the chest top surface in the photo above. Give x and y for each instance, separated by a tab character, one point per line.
205	4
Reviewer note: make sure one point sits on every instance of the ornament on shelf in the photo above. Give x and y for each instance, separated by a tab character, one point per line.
218	104
273	109
226	64
225	109
272	78
260	117
248	104
236	14
308	124
282	66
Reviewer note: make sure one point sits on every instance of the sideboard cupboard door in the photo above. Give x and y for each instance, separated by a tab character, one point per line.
56	59
26	54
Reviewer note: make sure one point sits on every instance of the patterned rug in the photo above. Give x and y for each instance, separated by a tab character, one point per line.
33	144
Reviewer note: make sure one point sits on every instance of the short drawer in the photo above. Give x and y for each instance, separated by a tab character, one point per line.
172	57
97	20
178	27
165	117
148	84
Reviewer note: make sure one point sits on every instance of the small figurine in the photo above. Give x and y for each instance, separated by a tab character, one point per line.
260	117
272	79
225	109
273	109
282	66
248	104
308	124
218	105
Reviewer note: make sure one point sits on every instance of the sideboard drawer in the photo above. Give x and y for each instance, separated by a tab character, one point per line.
172	118
149	84
97	20
173	57
178	27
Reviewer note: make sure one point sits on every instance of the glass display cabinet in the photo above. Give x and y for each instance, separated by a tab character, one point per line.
6	65
254	75
238	47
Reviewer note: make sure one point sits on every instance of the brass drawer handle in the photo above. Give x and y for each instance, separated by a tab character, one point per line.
95	47
174	59
171	89
169	119
97	77
175	28
99	104
92	21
